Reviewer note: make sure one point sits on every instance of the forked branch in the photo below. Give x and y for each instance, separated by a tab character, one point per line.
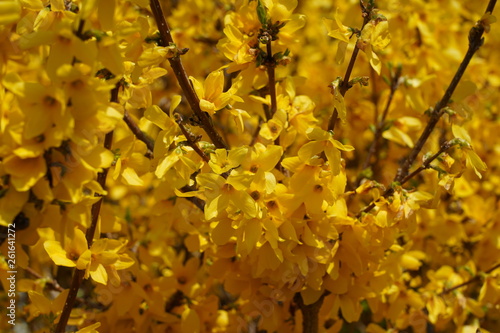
475	41
180	73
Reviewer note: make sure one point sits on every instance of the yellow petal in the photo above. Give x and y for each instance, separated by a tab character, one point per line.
155	115
310	296
336	29
84	260
79	242
253	230
32	4
214	84
394	134
99	275
310	149
131	177
198	88
222	232
190	321
11	204
207	106
57	5
476	162
24	172
350	310
58	254
461	133
174	103
90	328
10	12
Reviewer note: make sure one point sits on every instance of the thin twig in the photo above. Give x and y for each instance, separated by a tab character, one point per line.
182	78
200	203
345	86
426	165
375	94
96	207
139	134
381	123
271	65
51	283
255	135
471	280
475	42
189	138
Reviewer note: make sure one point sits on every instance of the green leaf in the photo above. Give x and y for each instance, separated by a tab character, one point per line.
261	13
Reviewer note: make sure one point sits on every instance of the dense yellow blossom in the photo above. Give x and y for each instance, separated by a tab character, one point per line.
250	166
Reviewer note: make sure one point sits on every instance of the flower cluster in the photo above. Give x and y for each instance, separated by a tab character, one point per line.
214	166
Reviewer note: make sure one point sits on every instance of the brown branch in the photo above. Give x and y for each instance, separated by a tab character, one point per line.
200	203
52	283
255	135
475	42
189	138
182	78
375	94
381	123
310	313
426	165
139	134
96	207
345	86
271	65
402	176
471	280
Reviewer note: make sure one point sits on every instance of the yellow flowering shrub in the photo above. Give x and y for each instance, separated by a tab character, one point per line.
249	166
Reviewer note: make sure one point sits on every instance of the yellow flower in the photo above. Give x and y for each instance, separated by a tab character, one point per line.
24	172
44	108
11	204
374	38
471	157
236	47
10	11
41	305
222	161
341	32
323	141
181	275
64	45
227	193
106	259
90	328
260	162
74	254
308	187
280	10
336	29
211	95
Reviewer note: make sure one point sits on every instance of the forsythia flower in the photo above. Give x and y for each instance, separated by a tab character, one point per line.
222	161
323	141
227	193
211	95
336	29
74	254
41	305
104	256
374	38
